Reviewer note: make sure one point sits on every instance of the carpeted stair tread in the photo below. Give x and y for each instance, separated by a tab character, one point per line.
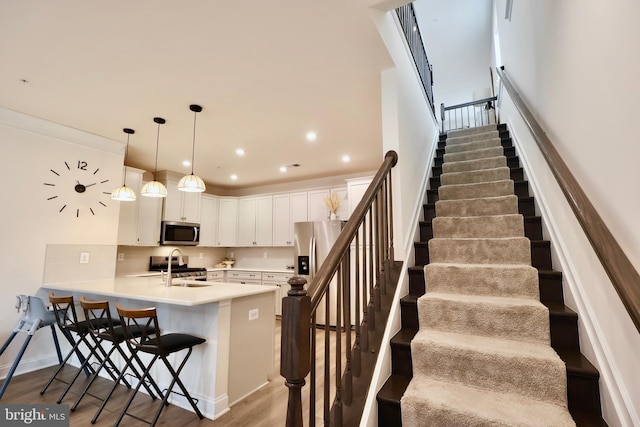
472	165
511	225
472	155
508	250
476	190
508	280
477	176
473	145
473	137
521	367
500	205
472	130
447	404
518	319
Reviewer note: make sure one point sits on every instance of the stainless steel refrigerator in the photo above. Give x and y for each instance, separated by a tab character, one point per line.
312	242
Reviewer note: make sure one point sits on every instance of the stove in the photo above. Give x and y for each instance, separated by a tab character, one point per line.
183	271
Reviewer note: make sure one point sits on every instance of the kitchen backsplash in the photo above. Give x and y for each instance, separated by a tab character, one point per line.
76	263
135	259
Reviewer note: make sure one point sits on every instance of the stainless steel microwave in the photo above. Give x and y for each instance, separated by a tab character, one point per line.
179	233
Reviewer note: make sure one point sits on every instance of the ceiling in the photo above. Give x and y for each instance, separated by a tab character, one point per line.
265	74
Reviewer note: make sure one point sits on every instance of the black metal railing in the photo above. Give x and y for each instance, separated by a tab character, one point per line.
468	115
407	17
354	276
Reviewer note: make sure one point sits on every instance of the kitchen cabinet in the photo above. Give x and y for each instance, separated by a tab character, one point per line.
255	221
178	205
281	280
244	277
317	209
287	210
208	220
355	190
215	276
227	221
139	221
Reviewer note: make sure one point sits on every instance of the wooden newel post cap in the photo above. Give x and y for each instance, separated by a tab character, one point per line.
297	286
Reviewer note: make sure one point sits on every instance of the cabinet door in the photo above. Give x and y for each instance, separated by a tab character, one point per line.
191	206
149	217
246	222
264	221
343	211
128	219
208	220
227	222
172	210
317	210
282	220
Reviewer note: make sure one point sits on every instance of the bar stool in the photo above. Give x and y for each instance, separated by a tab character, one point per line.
102	327
67	319
159	346
34	316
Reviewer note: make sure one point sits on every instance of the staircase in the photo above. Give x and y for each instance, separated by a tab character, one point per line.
461	372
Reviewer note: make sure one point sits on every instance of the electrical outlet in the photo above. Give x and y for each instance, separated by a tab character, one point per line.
201	255
253	314
264	255
121	256
84	257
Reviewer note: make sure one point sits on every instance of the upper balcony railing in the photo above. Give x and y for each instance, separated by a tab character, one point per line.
407	18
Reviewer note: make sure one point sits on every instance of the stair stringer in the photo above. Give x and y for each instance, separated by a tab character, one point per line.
382	370
624	410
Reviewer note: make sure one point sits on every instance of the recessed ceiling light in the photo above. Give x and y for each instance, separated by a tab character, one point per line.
346	158
312	136
283	168
234	177
186	163
240	152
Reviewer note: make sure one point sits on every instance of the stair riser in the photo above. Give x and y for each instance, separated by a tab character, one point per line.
551	288
409	315
532	229
583	394
471	146
416	281
495	226
484	175
401	361
564	332
516	174
478	251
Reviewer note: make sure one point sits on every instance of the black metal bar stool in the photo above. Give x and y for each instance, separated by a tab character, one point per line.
34	316
159	346
67	319
101	325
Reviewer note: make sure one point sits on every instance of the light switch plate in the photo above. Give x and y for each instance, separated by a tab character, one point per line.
84	257
253	314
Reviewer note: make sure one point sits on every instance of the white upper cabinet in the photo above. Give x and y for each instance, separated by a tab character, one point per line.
139	223
255	221
227	221
179	205
208	220
287	210
317	209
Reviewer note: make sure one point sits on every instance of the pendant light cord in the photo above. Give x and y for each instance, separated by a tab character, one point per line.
124	169
193	147
155	166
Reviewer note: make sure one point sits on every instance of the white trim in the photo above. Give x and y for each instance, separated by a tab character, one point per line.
609	372
29	365
53	130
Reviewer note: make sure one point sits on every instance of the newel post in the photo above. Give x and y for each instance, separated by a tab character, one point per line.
295	350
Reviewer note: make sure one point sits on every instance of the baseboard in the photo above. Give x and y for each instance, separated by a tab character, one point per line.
29	365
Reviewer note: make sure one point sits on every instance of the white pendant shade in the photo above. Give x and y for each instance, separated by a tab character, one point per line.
123	194
191	183
154	189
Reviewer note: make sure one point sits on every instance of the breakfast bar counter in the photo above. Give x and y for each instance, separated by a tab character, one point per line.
237	320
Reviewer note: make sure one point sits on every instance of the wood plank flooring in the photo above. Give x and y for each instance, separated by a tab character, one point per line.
265	408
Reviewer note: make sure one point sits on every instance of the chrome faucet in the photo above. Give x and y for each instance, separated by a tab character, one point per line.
169	279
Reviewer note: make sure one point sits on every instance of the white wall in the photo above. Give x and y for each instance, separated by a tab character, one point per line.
576	66
457	37
30	148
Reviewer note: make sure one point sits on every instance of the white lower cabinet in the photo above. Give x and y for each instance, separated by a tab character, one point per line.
244	277
281	281
215	276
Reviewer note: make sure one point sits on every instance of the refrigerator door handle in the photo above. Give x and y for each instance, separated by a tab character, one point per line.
312	257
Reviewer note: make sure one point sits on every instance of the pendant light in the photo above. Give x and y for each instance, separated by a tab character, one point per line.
192	183
155	188
124	193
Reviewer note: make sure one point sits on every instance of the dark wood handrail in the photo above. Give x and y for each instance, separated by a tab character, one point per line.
623	275
321	280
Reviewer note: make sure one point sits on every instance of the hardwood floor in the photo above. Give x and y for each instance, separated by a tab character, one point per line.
265	408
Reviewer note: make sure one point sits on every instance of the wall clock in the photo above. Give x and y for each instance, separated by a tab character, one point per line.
77	188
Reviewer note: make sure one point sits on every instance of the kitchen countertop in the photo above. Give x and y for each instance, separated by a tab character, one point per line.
153	289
